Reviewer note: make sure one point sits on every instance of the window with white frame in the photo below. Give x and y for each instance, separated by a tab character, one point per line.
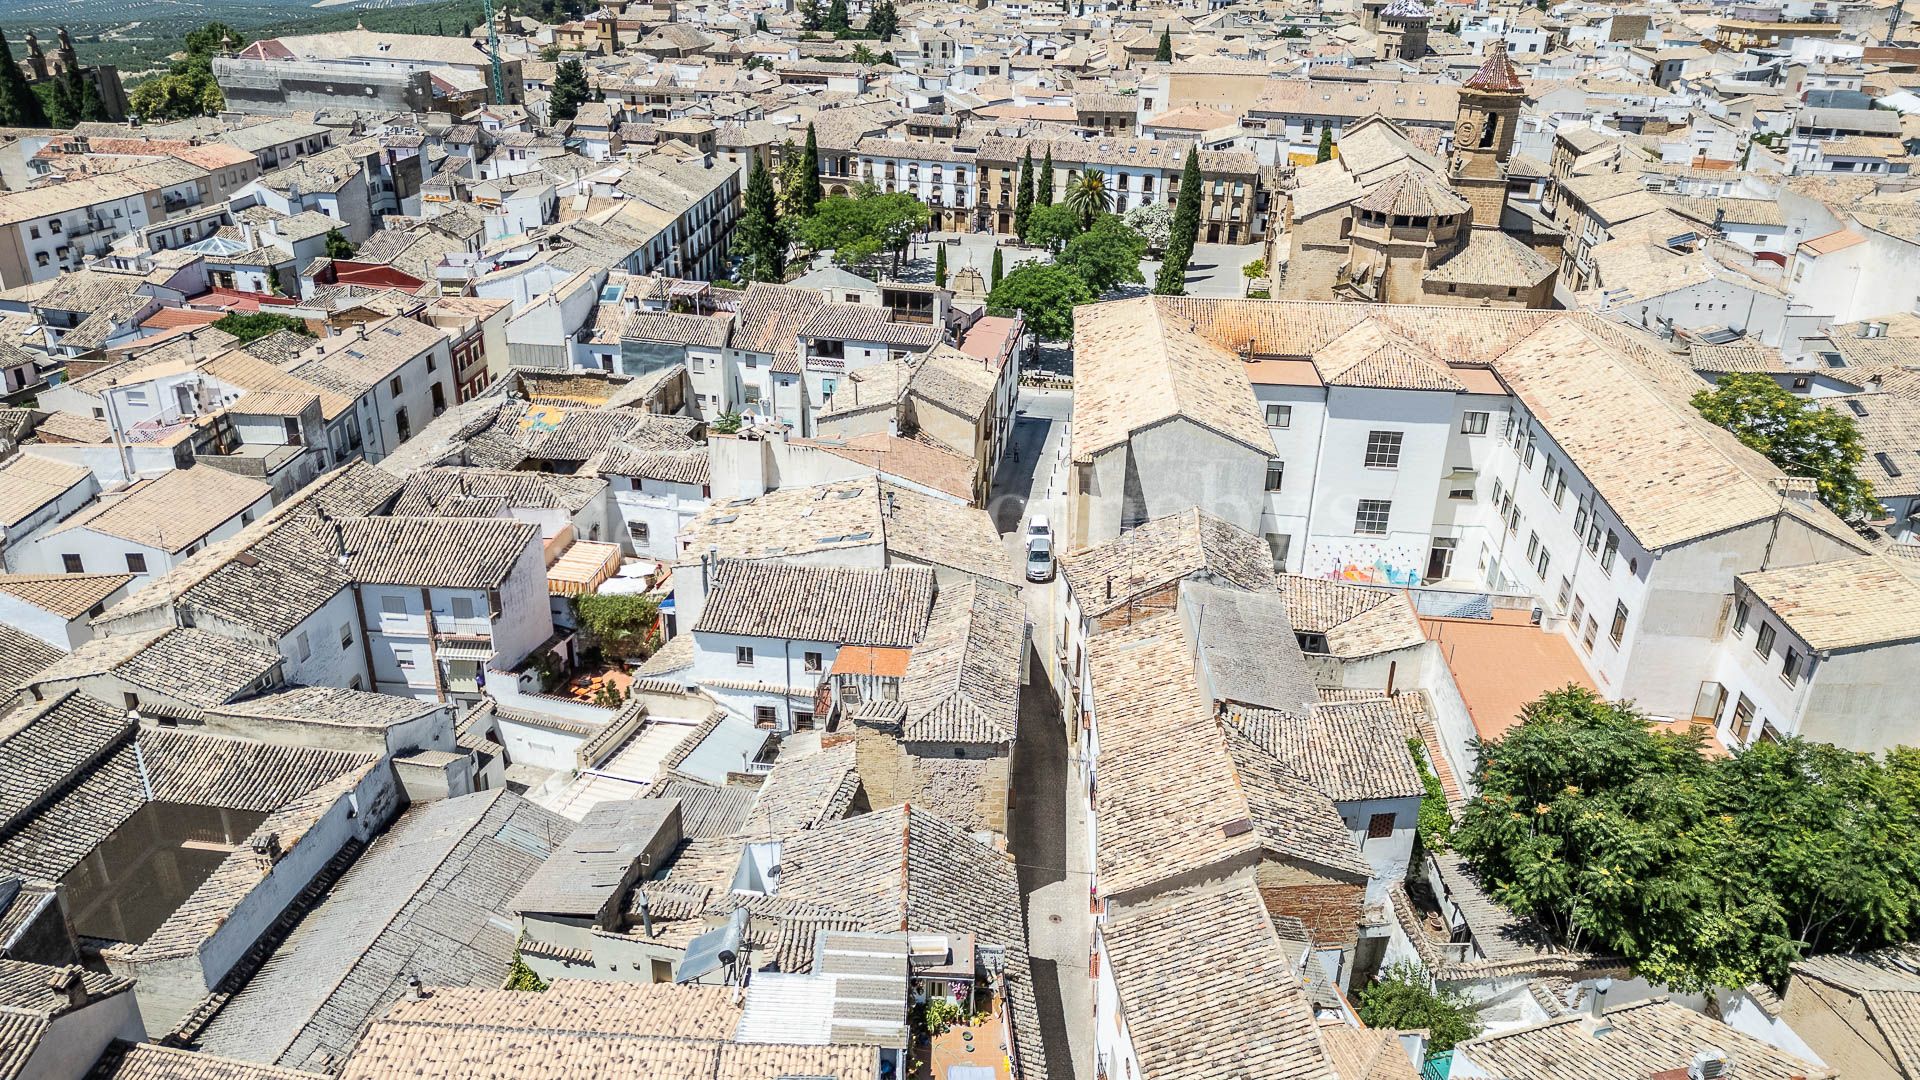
1764	643
1473	423
1383	449
1619	628
1279	416
1371	518
1276	473
743	655
1790	669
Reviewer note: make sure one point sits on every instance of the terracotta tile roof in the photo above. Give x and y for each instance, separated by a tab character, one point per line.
1165	549
67	595
1210	994
174	511
1648	1038
1372	355
1497	73
1136	365
1849	604
886	607
30	482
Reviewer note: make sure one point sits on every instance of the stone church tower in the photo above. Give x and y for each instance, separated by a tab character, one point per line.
1483	135
1402	31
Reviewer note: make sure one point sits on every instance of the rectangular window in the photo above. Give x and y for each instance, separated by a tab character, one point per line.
1473	423
1592	631
803	721
393	605
393	386
1742	719
743	655
764	716
1540	565
1379	826
637	530
1764	643
1371	518
1612	549
1383	449
1279	416
463	607
346	637
1740	618
1560	487
1280	544
810	662
1533	545
1498	490
1566	592
1455	491
136	563
303	647
1619	628
1580	521
1276	472
1579	609
1790	670
72	564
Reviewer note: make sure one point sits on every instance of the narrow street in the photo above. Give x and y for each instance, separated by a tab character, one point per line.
1046	828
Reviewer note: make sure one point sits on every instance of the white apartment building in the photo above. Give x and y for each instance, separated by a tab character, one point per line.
47	231
447	603
1552	455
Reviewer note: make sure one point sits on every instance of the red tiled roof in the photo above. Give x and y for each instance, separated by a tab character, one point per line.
169	317
1498	72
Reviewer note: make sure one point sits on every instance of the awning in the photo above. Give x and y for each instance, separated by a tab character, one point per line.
479	654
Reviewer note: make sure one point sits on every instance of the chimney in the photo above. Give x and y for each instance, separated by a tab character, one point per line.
266	850
68	983
646	914
1708	1064
1597	1008
414	990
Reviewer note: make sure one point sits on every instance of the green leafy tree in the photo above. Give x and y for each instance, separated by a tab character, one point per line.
883	21
1183	233
811	17
1023	198
999	271
1799	437
1403	997
789	180
1154	223
569	91
1325	153
759	24
19	105
1435	825
861	227
1045	295
836	20
1043	187
1699	871
1051	227
251	328
1105	256
728	423
213	39
1089	196
1253	271
864	55
623	623
763	246
940	265
338	246
809	178
1293	32
76	100
1164	52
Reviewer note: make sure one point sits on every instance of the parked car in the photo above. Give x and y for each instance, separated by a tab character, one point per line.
1037	525
1039	558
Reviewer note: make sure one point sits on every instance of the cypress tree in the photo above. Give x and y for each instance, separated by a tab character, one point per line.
1326	145
1185	232
940	266
19	105
763	249
1023	199
883	21
809	175
1164	54
993	282
837	20
1043	191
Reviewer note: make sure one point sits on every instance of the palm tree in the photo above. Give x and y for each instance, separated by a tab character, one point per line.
1089	196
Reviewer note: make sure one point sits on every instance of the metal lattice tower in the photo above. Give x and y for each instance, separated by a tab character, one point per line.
493	55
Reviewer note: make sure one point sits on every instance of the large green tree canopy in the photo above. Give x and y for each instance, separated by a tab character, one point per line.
1800	437
1700	870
